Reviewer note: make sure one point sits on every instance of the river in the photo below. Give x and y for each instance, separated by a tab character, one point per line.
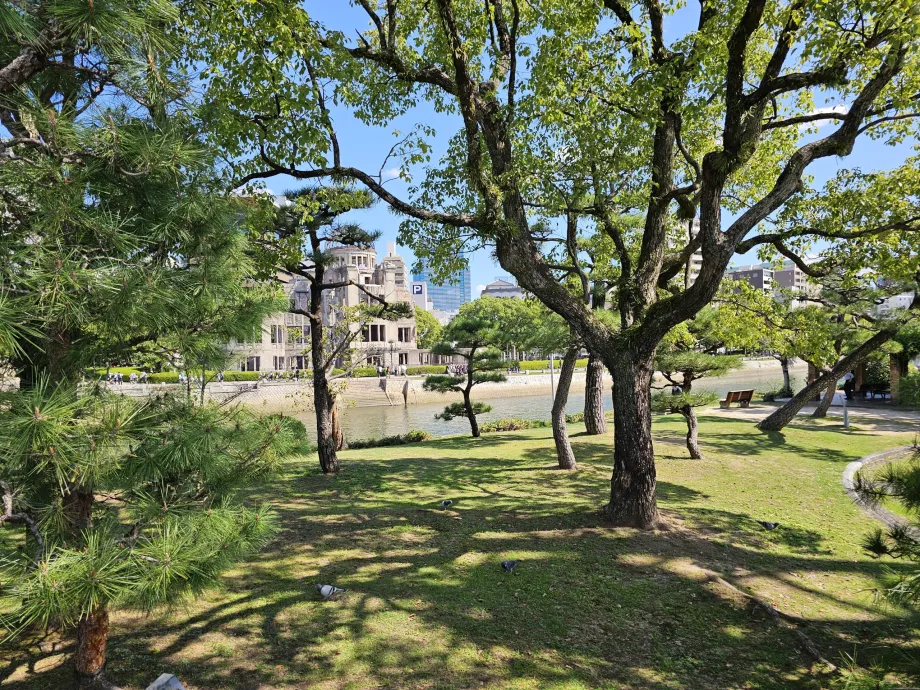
374	422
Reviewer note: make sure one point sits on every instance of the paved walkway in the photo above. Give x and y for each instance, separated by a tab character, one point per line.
881	416
874	509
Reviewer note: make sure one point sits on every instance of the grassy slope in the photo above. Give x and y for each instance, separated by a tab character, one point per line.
592	607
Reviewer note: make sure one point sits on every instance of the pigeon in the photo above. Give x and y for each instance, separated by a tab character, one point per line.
768	525
329	591
446	503
508	566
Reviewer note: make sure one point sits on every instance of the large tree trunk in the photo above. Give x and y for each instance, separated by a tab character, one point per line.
787	412
787	382
825	404
89	658
595	421
632	488
564	453
470	414
693	438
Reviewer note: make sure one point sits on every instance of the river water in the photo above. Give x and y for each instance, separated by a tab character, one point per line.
374	422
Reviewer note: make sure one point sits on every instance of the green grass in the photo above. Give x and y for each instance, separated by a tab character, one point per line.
428	605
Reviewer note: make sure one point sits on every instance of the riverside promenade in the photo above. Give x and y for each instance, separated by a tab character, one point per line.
409	390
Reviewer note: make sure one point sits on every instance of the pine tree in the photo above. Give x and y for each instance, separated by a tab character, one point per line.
898	482
688	356
118	240
298	243
470	338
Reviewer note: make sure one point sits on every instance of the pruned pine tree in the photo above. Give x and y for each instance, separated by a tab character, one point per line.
899	483
306	227
681	366
469	338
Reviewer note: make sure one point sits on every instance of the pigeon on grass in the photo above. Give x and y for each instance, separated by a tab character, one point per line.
446	503
508	566
329	591
770	526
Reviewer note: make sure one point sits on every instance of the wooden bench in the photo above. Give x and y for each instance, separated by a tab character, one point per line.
743	398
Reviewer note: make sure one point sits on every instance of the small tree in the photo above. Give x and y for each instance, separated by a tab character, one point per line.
470	338
681	365
428	329
125	505
299	244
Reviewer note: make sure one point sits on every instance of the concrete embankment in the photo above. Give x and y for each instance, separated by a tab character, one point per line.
377	392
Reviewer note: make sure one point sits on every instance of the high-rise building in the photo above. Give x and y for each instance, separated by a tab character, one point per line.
449	296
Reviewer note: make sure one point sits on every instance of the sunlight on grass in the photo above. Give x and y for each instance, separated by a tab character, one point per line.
427	604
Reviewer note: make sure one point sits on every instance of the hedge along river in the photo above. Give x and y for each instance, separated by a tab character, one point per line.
375	422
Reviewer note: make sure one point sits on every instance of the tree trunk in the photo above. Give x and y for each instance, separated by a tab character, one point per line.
78	510
326	442
89	658
825	404
785	414
564	453
693	438
632	488
787	382
468	406
595	421
338	433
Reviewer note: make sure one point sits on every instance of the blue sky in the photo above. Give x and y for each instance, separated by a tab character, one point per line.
366	148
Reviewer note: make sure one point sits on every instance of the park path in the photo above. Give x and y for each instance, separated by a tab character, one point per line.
874	509
881	416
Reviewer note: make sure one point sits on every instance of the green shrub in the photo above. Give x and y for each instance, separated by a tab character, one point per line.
294	430
512	425
426	369
240	375
878	371
910	389
579	417
414	436
364	372
532	365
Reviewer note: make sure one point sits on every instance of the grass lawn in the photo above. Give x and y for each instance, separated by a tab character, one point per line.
428	605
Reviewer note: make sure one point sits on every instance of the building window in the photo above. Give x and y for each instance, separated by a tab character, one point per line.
374	333
253	363
277	334
404	358
375	361
404	335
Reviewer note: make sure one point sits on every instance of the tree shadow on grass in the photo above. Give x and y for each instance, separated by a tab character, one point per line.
428	604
